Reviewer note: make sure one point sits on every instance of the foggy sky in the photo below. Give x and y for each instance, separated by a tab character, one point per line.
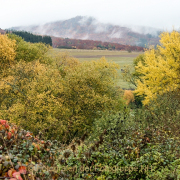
163	14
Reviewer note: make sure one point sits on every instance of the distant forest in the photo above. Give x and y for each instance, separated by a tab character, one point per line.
66	43
29	37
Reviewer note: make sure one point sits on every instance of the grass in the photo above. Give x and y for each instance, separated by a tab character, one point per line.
84	52
122	58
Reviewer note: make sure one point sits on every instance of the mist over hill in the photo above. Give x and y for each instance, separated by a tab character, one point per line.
2	31
88	28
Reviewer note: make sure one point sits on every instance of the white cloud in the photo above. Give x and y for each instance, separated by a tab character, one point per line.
116	33
155	13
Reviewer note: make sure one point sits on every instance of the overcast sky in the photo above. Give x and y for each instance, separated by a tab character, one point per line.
163	14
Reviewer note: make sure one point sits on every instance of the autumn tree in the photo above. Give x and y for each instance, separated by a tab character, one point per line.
27	51
159	73
89	91
29	97
7	51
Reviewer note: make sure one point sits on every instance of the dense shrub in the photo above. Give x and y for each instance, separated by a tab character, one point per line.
61	98
130	140
22	154
140	152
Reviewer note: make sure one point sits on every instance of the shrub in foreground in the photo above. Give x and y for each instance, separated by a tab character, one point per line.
61	100
22	153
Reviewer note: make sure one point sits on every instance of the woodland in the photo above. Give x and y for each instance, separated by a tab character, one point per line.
65	119
29	37
66	43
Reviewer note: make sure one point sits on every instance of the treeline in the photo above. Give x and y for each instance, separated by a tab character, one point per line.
90	44
29	37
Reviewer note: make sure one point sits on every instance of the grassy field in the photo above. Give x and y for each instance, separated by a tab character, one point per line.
120	57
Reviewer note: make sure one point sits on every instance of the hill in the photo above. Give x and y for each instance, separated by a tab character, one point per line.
88	28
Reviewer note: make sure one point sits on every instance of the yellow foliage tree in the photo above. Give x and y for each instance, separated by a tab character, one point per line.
28	97
7	51
89	90
64	62
160	70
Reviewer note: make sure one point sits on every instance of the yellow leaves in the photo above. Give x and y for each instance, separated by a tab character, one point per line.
170	43
160	71
7	51
64	62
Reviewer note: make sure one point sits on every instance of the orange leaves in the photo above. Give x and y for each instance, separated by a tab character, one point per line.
3	122
5	126
22	169
10	172
37	146
16	175
13	131
42	142
9	135
128	96
29	135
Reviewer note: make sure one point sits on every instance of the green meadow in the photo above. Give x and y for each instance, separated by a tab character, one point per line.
122	58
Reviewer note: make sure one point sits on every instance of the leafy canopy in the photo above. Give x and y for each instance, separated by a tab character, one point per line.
160	69
7	51
27	51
